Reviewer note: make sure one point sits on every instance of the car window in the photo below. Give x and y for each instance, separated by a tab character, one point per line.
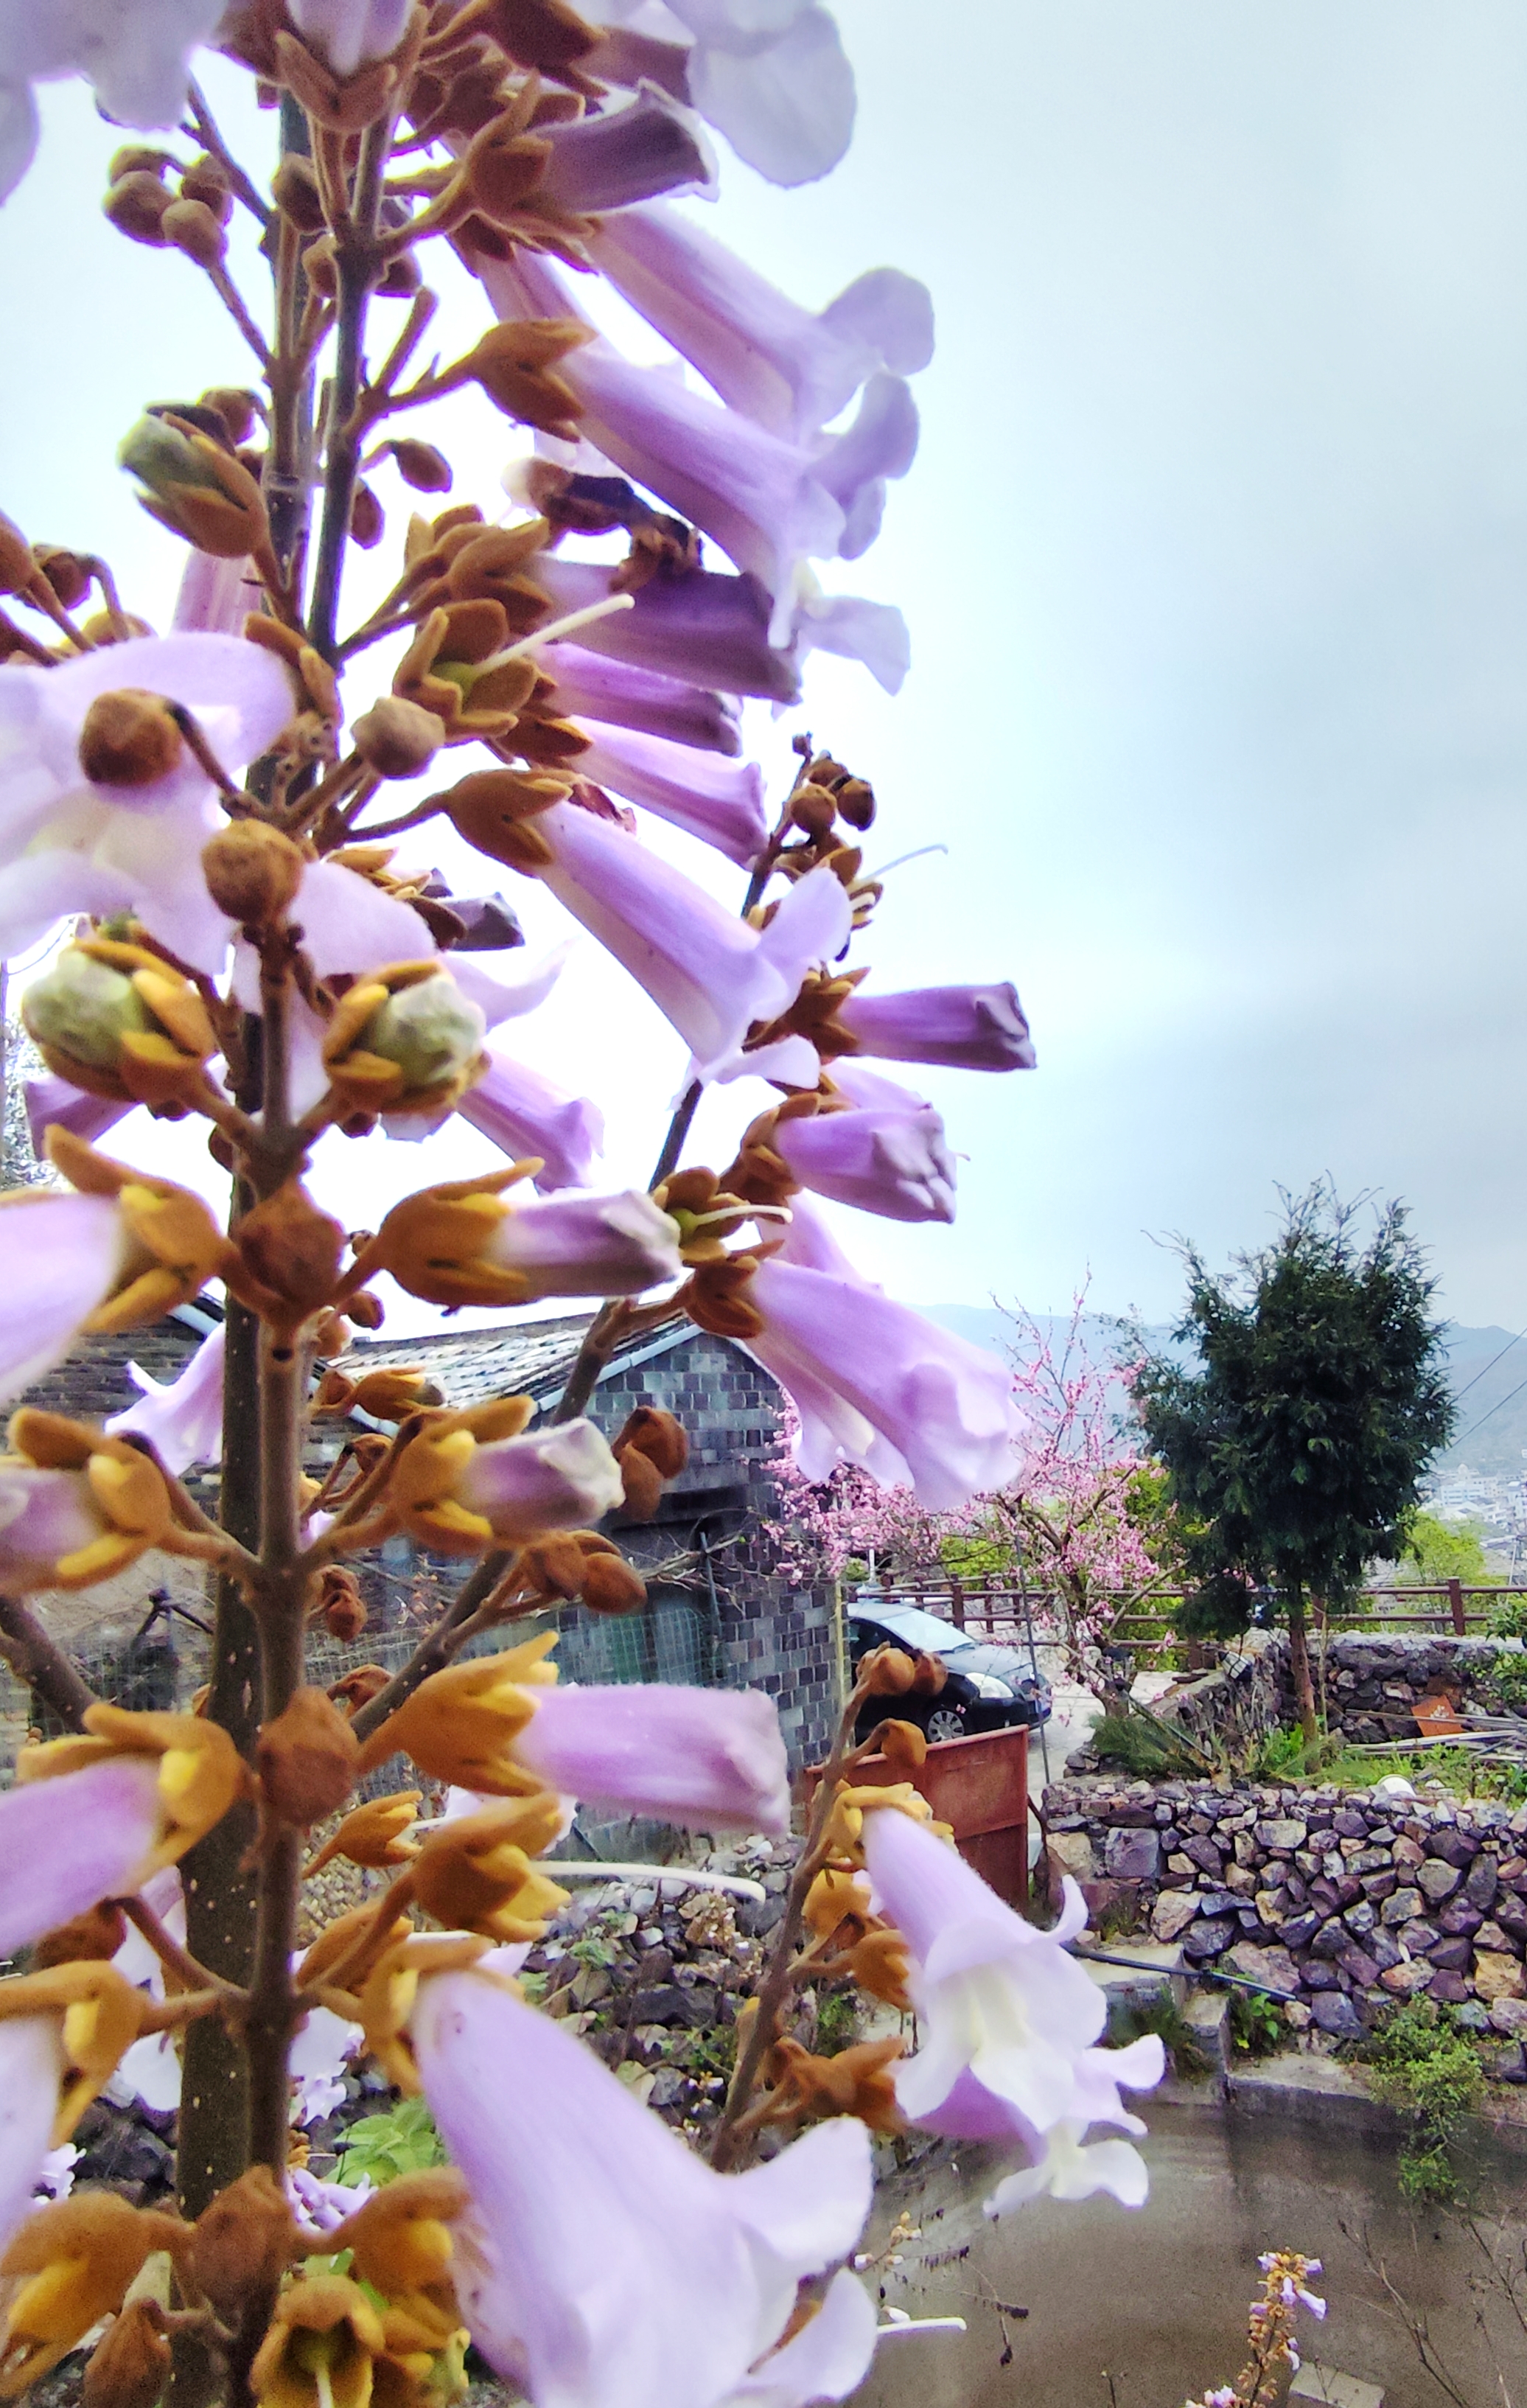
915	1628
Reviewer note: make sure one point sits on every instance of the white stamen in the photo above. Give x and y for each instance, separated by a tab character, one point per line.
558	628
870	877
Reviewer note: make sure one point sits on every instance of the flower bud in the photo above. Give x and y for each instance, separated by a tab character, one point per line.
207	180
401	277
367	520
244	2242
18	562
234	406
341	1607
881	1963
610	1584
376	1834
401	2238
197	230
80	2255
836	1897
134	158
856	2082
117	1021
321	266
135	205
130	2364
66	573
902	1745
886	1672
129	738
475	1873
420	465
306	1759
294	189
252	872
287	1264
359	1688
453	1493
407	1032
397	738
460	1243
515	364
195	487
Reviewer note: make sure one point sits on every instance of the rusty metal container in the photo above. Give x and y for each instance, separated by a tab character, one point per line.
980	1787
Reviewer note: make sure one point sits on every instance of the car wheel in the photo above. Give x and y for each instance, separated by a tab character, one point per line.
944	1722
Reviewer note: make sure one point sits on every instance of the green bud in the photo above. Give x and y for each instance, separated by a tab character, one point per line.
430	1031
161	457
84	1008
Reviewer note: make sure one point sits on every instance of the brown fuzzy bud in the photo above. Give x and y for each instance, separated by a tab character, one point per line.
612	1586
887	1672
289	1256
244	2242
902	1745
130	2364
197	230
367	518
135	206
341	1607
658	1436
129	739
392	1395
376	1834
252	872
18	562
402	276
320	266
813	809
207	180
294	188
856	802
306	1759
134	158
397	738
420	465
366	1309
359	1688
92	1938
515	364
929	1674
65	572
641	1483
234	406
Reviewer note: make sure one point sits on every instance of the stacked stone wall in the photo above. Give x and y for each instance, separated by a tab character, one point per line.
1345	1903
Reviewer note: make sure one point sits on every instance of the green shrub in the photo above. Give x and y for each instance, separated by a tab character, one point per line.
402	2141
1165	2019
1508	1679
1256	2023
1426	2065
1142	1746
837	2021
1508	1620
1279	1756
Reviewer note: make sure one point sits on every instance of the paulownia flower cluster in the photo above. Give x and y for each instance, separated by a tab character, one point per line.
203	819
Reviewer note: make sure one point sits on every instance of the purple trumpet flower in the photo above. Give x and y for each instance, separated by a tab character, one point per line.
53	1103
349	34
575	1244
31	2077
68	845
74	1248
629	154
589	686
887	1155
787	368
770	505
1008	2022
721	802
708	1759
183	1419
71	1840
524	1113
875	1384
600	2264
709	974
560	1478
774	80
215	596
693	624
951	1027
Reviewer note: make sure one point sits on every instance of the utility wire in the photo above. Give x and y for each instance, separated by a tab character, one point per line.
1491	1364
1493	1409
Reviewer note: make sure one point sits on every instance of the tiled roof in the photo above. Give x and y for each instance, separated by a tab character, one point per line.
523	1358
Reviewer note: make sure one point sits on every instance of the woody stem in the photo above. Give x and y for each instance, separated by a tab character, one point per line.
358	267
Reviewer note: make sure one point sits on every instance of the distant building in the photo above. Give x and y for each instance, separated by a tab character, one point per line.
717	1616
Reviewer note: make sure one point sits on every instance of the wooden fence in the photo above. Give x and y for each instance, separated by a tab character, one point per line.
1007	1613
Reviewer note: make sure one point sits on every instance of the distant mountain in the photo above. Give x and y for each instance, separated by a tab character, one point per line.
1491	1394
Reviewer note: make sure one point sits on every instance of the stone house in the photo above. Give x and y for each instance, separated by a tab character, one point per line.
718	1612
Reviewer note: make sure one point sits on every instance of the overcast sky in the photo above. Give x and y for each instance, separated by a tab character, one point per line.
1215	558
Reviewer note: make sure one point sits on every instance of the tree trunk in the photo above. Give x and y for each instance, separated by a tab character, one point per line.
1304	1687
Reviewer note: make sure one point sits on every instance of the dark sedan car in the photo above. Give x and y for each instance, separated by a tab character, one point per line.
989	1688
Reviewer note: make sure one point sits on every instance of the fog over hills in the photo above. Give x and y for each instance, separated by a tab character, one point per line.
1488	1369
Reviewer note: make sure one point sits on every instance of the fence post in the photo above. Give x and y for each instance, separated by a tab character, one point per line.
957	1603
1455	1599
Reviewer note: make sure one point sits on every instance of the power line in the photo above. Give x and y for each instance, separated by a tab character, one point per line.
1491	1366
1493	1409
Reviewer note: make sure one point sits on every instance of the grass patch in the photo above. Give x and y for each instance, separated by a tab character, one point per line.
1257	2028
1427	2066
1144	1746
1164	2017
